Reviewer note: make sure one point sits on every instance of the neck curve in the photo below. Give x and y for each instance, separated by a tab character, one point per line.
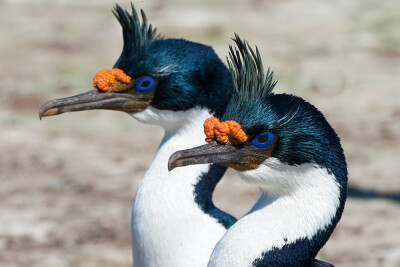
169	227
285	227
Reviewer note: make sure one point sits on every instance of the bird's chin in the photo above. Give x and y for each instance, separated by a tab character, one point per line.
254	176
171	120
145	116
241	167
275	177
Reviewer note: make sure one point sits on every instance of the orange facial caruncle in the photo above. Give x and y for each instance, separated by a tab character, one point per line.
114	80
226	132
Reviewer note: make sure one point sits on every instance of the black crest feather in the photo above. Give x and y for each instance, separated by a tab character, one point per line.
135	32
249	81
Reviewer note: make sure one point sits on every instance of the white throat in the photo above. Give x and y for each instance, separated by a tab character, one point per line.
174	121
296	202
168	227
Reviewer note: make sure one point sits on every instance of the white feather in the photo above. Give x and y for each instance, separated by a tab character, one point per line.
168	227
296	202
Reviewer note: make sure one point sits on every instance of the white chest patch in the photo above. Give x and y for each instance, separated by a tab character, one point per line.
168	227
297	201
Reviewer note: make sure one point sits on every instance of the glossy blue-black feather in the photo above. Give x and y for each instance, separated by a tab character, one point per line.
303	136
203	195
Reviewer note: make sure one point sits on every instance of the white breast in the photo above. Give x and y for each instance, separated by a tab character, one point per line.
308	203
168	227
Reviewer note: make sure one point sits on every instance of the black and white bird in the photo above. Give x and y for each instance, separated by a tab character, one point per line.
175	84
285	146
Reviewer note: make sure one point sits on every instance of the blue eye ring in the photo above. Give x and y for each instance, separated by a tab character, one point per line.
256	143
141	81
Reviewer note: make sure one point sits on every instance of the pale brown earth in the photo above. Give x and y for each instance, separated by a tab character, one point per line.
67	182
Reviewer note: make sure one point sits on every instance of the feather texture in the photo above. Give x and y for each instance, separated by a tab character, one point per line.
135	32
246	67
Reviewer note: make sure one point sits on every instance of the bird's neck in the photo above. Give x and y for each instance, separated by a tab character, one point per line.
169	226
284	228
185	130
176	123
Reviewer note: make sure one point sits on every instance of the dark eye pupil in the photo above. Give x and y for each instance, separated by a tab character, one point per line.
145	84
262	139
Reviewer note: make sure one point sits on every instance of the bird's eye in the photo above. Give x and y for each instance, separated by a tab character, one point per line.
145	84
263	140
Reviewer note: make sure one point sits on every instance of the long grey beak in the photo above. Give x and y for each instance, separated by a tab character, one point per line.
211	153
94	99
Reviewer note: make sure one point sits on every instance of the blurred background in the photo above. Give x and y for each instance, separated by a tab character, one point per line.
67	182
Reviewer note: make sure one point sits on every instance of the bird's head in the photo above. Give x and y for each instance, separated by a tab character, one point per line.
262	134
153	73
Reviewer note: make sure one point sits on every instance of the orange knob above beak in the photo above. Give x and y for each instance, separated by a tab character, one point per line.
114	80
227	132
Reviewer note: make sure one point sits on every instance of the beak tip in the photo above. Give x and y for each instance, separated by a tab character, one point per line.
43	110
41	113
172	161
169	166
48	112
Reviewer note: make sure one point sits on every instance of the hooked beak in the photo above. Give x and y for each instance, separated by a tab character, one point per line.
94	99
241	158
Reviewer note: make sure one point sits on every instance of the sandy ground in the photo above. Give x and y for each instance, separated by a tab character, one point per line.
67	182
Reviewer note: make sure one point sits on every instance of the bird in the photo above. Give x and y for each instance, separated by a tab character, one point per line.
285	146
175	84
